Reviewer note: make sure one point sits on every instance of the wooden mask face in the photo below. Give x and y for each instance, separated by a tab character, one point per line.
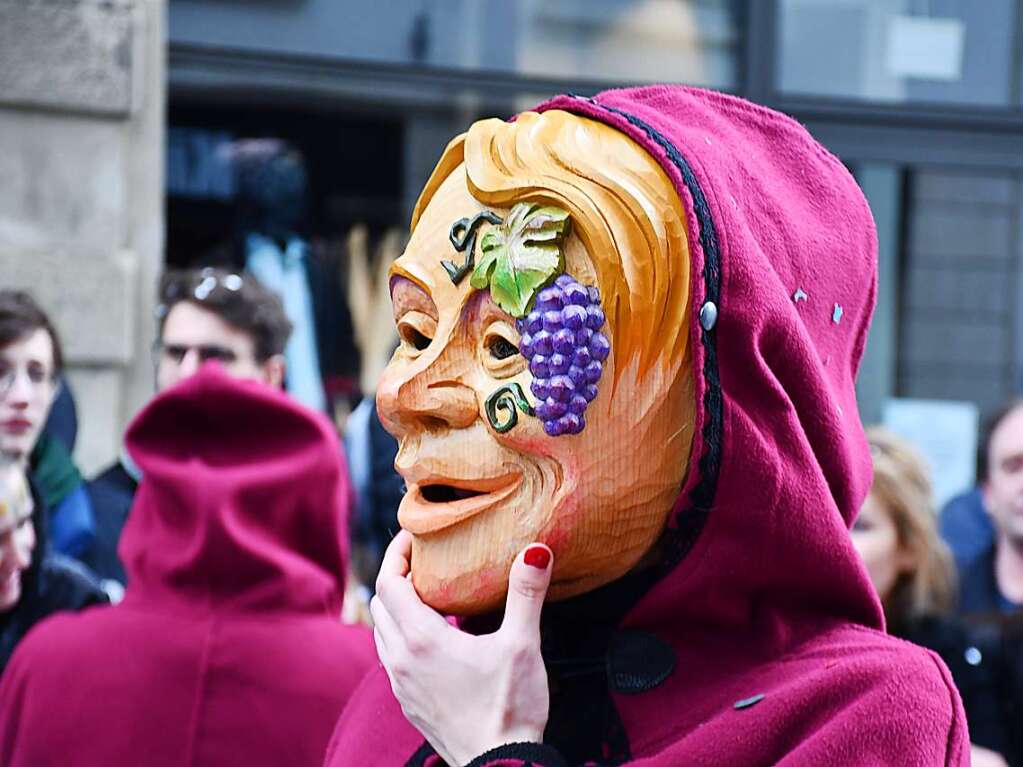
508	432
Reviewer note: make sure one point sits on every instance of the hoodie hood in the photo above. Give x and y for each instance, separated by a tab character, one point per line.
752	640
784	254
243	502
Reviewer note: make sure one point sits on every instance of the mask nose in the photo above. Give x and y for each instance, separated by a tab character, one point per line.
420	405
425	395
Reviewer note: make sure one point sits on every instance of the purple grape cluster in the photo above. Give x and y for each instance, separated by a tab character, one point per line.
562	342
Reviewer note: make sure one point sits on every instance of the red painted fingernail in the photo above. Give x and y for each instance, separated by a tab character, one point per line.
538	557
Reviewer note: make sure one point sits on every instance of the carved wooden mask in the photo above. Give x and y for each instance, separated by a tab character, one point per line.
541	390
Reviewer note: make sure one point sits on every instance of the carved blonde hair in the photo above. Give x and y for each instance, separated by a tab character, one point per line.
623	206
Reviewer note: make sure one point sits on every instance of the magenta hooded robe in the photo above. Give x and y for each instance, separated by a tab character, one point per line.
228	647
758	640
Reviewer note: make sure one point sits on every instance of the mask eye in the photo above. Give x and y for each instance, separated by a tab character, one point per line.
501	348
413	337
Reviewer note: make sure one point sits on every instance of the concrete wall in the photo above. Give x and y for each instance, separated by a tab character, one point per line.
81	203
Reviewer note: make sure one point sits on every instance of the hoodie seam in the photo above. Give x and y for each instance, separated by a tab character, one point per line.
200	696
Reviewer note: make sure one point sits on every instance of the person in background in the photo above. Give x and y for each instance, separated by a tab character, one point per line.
28	337
35	581
227	647
912	570
33	584
964	523
992	582
203	314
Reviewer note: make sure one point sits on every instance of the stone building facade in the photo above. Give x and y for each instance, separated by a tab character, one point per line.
82	92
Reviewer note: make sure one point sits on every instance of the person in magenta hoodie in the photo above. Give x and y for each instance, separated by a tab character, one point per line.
228	647
745	630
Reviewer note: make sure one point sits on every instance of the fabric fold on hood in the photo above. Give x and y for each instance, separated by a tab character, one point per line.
243	501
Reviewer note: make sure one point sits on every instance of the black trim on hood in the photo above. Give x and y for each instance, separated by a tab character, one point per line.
680	537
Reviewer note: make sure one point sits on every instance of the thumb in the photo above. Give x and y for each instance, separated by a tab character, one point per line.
527	586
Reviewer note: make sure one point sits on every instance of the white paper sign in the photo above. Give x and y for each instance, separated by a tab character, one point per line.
945	433
930	49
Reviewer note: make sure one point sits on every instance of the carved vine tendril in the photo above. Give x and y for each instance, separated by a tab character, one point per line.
508	399
463	238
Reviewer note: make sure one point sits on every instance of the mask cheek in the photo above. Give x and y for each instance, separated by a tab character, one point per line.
548	480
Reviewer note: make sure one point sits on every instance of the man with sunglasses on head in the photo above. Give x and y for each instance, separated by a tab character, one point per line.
211	314
203	315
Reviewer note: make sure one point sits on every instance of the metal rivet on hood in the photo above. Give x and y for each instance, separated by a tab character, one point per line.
709	315
747	702
799	295
836	316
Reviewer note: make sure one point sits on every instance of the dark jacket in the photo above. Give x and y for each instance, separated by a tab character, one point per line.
51	583
111	494
977	661
378	488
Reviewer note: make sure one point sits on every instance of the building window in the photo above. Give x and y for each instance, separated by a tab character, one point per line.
954	52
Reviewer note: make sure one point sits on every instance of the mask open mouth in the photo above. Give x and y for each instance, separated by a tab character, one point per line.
447	493
436	504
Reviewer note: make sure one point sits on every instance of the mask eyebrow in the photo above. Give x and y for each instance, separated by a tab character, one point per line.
398	270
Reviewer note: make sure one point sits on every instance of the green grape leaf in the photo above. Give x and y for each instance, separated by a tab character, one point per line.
521	255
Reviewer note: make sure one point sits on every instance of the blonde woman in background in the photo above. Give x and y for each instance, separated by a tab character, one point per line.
912	569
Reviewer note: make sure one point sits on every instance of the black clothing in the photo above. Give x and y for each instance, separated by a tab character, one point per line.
587	654
50	584
996	628
1000	637
976	665
335	337
64	585
111	494
378	497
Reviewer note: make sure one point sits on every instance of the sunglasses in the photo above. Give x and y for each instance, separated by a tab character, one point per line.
206	352
197	287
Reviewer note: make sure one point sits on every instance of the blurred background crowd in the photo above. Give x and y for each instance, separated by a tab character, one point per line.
195	180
